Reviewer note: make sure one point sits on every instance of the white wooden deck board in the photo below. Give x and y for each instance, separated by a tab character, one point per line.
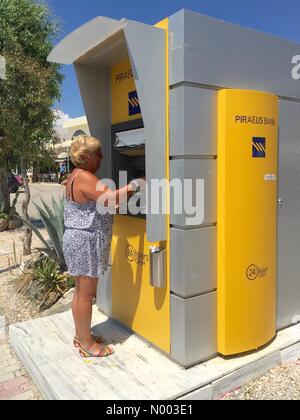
137	371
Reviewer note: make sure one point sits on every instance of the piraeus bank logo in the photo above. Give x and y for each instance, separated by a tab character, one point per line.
133	103
258	147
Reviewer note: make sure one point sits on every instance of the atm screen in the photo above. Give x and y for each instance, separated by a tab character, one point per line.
128	151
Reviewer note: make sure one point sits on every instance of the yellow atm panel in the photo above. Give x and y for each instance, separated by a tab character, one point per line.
247	203
136	304
125	101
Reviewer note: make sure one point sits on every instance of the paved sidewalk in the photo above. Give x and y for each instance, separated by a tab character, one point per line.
14	381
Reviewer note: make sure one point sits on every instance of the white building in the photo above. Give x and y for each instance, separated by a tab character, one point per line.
69	129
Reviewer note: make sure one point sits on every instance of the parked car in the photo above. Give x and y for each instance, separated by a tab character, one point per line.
14	182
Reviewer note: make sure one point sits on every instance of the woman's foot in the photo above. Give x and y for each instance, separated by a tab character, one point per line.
95	350
97	339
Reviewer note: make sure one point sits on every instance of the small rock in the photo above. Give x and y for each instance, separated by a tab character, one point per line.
3	224
62	305
14	223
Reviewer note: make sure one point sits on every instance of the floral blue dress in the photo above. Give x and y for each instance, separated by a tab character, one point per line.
87	238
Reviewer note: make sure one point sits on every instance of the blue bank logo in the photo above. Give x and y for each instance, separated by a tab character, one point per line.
259	147
133	103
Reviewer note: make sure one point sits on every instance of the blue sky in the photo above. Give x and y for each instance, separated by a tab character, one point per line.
277	17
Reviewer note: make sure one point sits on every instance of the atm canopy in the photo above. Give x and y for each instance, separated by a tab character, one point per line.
93	49
101	40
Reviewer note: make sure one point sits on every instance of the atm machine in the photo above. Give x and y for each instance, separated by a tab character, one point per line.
121	68
193	97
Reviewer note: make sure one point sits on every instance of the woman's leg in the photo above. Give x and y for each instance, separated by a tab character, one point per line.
74	308
85	292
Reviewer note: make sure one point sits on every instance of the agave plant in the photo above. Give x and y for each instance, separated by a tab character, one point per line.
49	277
53	220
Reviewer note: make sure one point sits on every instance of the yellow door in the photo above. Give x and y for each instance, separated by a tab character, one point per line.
247	202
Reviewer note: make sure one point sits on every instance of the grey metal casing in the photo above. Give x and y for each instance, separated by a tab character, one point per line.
194	169
193	261
193	328
104	293
193	116
147	51
158	267
88	77
193	134
288	279
211	52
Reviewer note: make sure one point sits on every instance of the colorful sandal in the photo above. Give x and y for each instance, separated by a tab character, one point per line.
97	338
105	351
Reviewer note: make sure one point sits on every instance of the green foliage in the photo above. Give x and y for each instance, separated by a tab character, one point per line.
54	223
28	24
49	277
70	282
53	220
32	85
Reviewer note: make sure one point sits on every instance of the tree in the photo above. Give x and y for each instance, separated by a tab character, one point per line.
29	91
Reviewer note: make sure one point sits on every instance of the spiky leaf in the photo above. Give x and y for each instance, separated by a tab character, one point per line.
54	237
48	249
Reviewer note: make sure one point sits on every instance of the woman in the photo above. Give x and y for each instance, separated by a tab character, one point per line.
87	237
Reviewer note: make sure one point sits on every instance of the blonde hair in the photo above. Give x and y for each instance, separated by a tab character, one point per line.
83	146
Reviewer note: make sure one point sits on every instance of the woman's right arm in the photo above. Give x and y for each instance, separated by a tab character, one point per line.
94	189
